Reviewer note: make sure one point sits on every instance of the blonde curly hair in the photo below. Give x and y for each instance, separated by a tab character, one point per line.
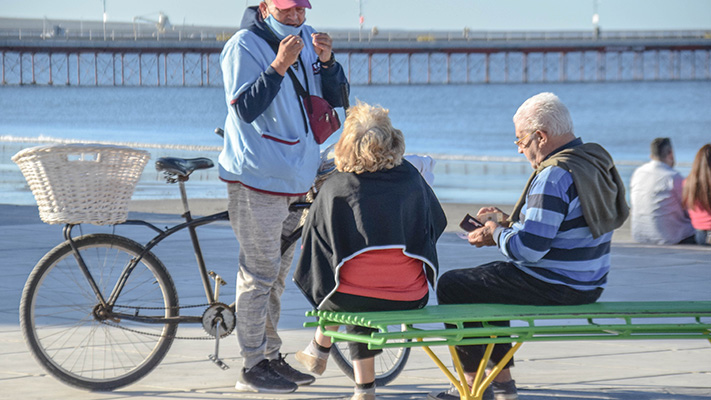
369	142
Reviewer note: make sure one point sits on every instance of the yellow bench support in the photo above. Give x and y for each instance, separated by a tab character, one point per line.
597	321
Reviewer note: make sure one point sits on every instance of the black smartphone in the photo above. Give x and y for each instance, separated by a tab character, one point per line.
470	223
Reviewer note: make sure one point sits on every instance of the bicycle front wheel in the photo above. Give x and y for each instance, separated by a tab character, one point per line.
388	364
58	313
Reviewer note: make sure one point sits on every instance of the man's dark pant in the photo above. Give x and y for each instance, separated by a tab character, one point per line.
501	282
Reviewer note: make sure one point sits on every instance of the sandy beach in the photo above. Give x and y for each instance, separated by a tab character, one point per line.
630	370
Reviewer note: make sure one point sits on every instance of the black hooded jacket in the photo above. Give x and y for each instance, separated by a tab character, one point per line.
353	213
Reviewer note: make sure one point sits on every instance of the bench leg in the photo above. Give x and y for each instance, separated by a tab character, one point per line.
480	383
441	366
477	385
500	365
464	392
461	383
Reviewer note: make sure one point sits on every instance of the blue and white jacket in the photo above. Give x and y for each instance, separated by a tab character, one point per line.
268	144
552	241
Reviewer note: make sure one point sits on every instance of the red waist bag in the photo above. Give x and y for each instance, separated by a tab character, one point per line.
323	118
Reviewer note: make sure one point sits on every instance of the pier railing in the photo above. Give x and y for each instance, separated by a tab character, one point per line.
191	58
141	31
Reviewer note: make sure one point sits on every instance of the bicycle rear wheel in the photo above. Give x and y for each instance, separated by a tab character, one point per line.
58	313
388	364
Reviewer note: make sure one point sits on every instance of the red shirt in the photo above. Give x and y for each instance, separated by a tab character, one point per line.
384	274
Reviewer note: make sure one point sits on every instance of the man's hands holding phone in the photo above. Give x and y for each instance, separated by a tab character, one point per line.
493	214
481	234
470	223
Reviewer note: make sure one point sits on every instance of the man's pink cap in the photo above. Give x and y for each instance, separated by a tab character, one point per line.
287	4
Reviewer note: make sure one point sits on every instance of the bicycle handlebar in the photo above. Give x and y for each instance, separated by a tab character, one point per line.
299	206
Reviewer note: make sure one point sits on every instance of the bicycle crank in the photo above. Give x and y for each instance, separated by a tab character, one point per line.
218	321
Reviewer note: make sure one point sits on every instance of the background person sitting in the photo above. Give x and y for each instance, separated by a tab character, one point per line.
658	216
696	195
369	238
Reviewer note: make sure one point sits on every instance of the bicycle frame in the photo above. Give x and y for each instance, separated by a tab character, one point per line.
126	257
191	224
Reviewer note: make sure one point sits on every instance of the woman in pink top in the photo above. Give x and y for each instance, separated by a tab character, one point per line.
697	195
370	237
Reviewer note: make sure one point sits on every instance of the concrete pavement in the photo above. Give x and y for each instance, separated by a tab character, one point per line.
623	370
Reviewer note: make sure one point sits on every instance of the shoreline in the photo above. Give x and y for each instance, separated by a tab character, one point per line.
454	212
14	214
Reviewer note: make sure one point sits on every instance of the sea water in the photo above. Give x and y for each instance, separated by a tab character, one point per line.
466	128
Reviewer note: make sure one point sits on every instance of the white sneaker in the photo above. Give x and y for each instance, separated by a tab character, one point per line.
363	396
312	363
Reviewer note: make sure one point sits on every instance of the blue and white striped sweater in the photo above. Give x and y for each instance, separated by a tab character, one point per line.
552	241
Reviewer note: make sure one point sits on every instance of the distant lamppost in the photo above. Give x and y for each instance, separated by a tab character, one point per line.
104	19
595	21
360	20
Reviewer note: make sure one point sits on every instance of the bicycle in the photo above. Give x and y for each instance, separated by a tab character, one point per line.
100	311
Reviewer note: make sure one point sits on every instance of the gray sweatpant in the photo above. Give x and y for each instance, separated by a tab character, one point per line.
258	220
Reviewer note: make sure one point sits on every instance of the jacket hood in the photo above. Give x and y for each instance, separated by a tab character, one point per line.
252	21
600	187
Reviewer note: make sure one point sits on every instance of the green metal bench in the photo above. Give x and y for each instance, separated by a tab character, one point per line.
597	321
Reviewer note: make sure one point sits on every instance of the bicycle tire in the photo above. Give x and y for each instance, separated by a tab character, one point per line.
57	320
388	364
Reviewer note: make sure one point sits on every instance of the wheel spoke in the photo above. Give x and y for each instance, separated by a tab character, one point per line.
63	322
388	364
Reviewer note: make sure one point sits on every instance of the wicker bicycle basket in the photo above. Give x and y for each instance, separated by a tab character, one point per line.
82	183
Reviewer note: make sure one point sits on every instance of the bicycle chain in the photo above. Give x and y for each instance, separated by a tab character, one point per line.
162	308
115	325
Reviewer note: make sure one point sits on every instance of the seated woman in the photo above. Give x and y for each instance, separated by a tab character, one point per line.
369	239
696	195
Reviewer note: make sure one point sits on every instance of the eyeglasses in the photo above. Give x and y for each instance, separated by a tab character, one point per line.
518	142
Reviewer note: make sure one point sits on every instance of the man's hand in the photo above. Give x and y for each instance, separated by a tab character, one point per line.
289	50
503	221
483	236
323	45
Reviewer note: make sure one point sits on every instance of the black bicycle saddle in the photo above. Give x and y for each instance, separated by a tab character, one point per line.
182	166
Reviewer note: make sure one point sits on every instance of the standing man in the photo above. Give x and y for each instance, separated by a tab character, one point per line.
658	215
269	161
556	241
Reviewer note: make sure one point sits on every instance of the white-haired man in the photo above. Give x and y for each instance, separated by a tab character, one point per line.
557	239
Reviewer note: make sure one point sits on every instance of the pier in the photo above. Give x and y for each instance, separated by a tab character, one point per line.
127	56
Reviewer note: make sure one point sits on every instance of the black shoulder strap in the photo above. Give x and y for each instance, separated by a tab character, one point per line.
304	93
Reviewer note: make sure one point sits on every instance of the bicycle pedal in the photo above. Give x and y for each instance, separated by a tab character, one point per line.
218	361
217	278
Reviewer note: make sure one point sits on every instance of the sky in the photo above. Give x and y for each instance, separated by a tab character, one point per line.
450	15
